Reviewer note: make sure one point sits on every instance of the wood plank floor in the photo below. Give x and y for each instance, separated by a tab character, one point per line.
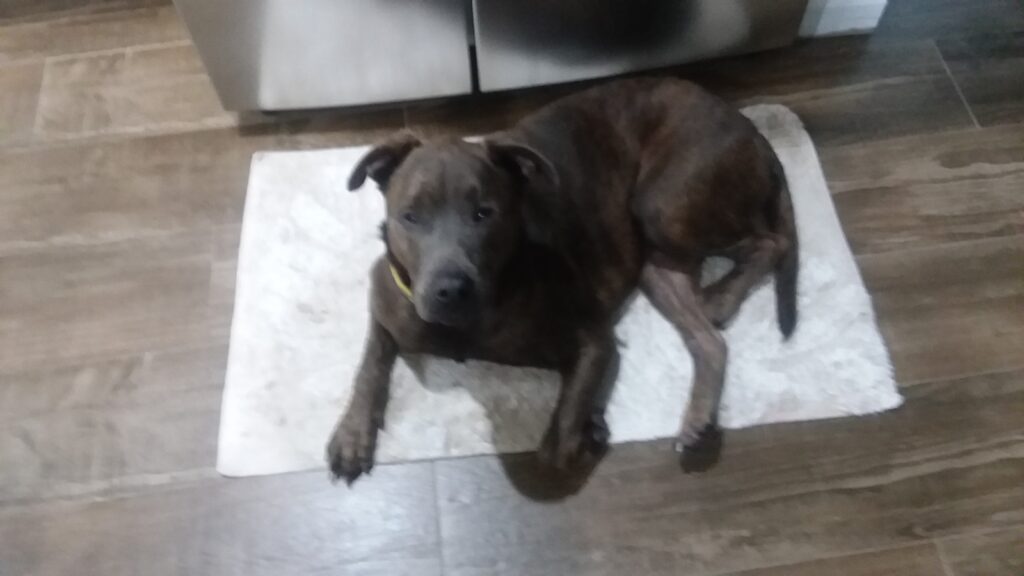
121	191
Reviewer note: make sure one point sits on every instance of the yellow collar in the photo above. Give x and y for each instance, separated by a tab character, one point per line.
406	290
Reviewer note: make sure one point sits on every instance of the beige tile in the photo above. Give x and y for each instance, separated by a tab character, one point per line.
989	554
91	191
103	30
101	191
922	560
920	191
950	310
819	66
133	91
878	109
110	424
947	463
222	279
77	304
282	525
846	89
988	69
945	18
53	9
19	95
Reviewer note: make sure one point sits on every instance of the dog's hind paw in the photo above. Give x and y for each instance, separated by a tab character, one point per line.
700	448
719	310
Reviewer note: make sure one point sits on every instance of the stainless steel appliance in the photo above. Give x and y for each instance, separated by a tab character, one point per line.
291	54
288	54
529	42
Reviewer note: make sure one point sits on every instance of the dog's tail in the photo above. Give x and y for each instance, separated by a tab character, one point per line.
788	264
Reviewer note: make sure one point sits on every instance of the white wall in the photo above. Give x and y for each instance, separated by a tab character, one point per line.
830	17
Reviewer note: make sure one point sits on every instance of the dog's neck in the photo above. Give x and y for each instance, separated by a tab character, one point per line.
529	270
398	271
403	285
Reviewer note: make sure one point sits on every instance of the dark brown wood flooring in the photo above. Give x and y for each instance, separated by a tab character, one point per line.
122	183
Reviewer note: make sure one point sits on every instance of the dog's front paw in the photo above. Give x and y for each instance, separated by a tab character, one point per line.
564	449
699	444
350	451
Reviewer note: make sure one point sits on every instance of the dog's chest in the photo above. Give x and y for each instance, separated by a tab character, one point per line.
522	342
514	340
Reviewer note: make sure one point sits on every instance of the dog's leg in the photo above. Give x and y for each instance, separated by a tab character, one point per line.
350	451
753	259
675	295
578	428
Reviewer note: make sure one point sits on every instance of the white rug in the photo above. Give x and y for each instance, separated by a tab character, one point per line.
301	314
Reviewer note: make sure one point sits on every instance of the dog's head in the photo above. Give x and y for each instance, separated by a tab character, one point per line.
454	216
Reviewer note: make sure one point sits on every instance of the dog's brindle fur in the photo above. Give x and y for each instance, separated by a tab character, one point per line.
553	224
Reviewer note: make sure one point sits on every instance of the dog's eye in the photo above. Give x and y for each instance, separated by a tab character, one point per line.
483	213
410	217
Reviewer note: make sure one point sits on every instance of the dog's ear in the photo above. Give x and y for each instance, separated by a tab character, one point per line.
523	161
382	160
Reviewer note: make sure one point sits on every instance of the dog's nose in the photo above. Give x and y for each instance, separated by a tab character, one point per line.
453	288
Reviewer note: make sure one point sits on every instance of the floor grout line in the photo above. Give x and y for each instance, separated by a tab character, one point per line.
37	105
946	567
437	520
86	12
36	114
110	51
86	242
1013	527
859	256
956	85
161	128
963	376
121	487
825	558
838	148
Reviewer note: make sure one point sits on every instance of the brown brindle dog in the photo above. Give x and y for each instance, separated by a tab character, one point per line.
524	248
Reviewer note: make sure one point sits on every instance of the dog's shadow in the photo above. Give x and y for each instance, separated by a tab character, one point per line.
518	403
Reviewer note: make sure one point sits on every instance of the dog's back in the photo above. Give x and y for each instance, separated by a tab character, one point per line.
655	163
